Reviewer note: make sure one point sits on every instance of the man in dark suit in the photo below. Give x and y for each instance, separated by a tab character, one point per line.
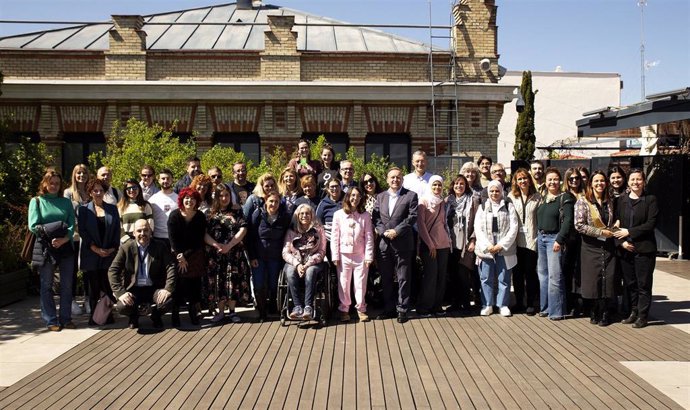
394	216
143	273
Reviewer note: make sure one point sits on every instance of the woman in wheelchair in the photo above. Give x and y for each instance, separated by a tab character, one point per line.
303	252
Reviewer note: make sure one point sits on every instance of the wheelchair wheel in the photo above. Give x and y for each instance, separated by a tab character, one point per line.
281	300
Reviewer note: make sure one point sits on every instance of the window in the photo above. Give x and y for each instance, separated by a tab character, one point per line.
339	140
394	146
78	146
14	139
246	142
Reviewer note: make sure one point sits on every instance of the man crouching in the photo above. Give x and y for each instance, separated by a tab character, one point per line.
142	277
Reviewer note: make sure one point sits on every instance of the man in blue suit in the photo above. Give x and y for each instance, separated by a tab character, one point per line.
394	216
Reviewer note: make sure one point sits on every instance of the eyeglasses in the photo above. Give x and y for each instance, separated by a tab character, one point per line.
215	176
369	181
574	179
146	175
346	169
498	171
333	187
132	188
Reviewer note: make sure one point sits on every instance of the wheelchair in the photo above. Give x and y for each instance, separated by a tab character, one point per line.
325	296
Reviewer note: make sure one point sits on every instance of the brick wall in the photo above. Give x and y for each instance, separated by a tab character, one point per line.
203	66
34	65
370	67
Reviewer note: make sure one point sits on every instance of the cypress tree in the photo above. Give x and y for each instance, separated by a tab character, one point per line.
524	130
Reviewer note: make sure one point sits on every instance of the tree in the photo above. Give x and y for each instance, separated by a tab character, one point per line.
224	158
524	130
138	144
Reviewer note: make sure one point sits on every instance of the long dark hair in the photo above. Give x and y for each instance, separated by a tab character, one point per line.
377	189
617	169
216	206
124	201
589	193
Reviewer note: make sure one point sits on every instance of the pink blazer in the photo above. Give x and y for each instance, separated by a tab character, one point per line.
352	234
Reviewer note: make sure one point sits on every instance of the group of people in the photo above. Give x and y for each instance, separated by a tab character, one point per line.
214	245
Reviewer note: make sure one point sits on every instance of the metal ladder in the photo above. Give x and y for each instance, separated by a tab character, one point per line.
444	99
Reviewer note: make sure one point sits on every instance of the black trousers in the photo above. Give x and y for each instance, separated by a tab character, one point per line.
638	270
98	282
525	278
142	295
399	264
187	289
460	282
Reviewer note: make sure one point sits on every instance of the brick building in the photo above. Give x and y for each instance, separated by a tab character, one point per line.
253	76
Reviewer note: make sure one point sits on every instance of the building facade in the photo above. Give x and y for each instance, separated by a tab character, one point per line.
253	77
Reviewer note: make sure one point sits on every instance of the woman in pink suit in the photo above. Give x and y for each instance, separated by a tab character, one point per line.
352	250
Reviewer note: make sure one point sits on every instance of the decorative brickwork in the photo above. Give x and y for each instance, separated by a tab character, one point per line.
166	115
235	118
21	118
388	118
324	118
80	118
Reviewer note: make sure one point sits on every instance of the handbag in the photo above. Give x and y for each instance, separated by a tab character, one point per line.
102	311
30	239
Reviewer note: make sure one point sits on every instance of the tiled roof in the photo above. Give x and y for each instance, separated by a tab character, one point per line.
175	36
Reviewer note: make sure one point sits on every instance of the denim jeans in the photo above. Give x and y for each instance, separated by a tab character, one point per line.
550	272
48	311
489	271
302	289
265	276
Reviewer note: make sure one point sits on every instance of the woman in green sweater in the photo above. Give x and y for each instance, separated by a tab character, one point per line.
53	248
554	222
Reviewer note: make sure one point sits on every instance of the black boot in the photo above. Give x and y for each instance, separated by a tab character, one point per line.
260	304
593	319
640	323
156	318
631	319
175	320
605	319
193	316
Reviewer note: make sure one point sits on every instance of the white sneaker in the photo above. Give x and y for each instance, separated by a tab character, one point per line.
76	309
505	311
487	310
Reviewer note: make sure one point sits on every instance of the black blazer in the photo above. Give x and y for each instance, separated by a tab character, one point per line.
88	231
402	219
638	216
123	271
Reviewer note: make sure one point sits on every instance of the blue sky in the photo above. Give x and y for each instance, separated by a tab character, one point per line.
537	35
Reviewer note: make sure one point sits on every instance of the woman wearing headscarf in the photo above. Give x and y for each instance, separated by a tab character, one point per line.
637	212
594	220
434	248
51	219
460	212
496	227
525	199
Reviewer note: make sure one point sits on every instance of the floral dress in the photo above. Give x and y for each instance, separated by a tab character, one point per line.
228	275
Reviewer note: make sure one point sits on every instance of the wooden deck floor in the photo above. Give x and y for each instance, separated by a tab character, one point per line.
476	362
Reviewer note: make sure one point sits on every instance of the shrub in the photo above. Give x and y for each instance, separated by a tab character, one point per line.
138	144
224	158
